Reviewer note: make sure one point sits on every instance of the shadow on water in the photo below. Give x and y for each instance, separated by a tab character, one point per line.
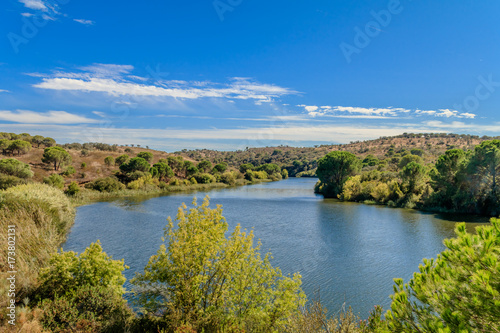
350	252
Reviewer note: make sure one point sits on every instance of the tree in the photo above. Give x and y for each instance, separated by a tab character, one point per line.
109	161
220	168
56	155
54	180
146	155
13	167
164	171
121	159
457	292
209	281
37	140
247	166
49	142
333	170
413	175
408	159
270	169
20	146
205	166
73	189
4	145
135	164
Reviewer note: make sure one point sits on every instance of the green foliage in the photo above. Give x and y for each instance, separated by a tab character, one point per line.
245	167
413	176
260	174
7	181
49	142
457	292
121	159
73	189
220	168
19	146
88	309
13	167
405	160
418	152
164	170
333	171
204	178
370	160
144	183
212	282
284	173
54	180
148	156
135	164
108	184
4	145
67	271
69	171
109	161
205	166
228	178
57	156
37	140
269	168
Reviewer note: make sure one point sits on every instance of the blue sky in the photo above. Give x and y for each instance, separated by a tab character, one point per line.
230	74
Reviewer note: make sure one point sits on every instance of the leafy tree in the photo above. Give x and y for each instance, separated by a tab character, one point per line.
220	168
56	155
191	171
121	159
109	161
247	166
164	171
21	146
413	175
176	163
49	142
333	170
457	292
269	168
13	167
418	152
408	159
135	164
484	171
54	180
38	140
69	171
370	160
148	156
210	281
205	166
4	145
284	173
204	178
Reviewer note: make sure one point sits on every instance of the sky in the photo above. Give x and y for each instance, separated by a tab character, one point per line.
231	74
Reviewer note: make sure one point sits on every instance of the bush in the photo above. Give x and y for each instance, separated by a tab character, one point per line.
69	171
260	174
73	189
121	159
109	161
108	184
10	181
54	180
83	165
174	182
146	155
228	178
13	167
135	164
204	178
144	183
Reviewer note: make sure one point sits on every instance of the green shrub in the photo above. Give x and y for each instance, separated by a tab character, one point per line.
121	159
83	165
228	178
260	174
109	161
174	182
108	184
73	189
13	167
146	155
144	183
204	178
10	181
69	171
54	180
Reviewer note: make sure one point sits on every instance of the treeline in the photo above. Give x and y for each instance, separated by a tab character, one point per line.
203	279
139	172
460	181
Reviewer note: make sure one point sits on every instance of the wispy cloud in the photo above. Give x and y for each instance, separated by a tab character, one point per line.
4	91
50	117
34	4
85	22
115	80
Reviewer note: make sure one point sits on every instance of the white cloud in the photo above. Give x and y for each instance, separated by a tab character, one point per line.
51	117
447	113
114	80
4	91
34	4
99	113
27	14
468	115
311	108
86	22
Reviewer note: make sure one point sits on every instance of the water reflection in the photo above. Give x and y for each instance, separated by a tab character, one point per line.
349	252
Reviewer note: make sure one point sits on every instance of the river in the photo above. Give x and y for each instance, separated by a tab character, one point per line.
345	252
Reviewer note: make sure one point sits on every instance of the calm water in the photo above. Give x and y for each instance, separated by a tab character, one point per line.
347	251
